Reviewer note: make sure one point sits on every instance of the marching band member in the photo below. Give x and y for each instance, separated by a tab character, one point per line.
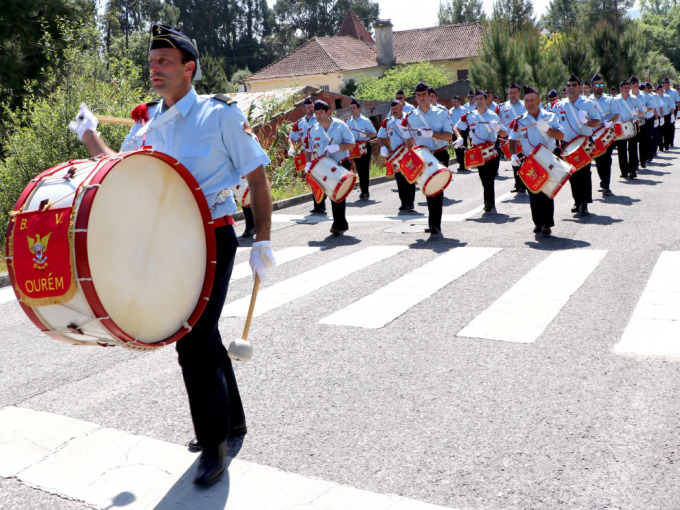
391	138
363	132
603	102
578	117
300	134
484	126
642	137
676	99
552	100
434	99
429	126
507	112
331	137
629	109
471	104
401	96
455	113
669	119
536	127
585	90
563	92
663	113
654	118
490	103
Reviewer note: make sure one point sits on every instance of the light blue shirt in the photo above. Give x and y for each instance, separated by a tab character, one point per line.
656	102
508	112
337	133
480	131
390	130
626	107
209	138
408	107
645	100
668	103
360	127
567	114
456	113
531	137
436	119
301	130
674	94
604	106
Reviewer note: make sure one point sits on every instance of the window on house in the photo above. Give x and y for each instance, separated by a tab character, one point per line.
338	104
325	87
462	74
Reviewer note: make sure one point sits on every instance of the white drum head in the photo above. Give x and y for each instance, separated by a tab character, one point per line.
146	246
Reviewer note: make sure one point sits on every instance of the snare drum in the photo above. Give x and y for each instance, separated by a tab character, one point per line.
113	251
576	152
393	161
480	154
602	139
625	130
336	181
543	171
360	149
434	177
505	147
242	192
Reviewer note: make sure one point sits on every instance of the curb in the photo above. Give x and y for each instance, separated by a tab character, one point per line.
281	204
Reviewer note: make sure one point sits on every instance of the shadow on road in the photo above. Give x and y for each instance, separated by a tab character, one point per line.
436	244
555	243
497	218
332	241
617	200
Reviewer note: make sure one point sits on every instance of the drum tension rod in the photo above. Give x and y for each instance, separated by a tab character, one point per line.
70	173
45	204
75	329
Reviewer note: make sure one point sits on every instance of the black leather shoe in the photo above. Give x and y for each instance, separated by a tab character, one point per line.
536	231
249	232
240	430
576	208
546	231
584	211
211	464
514	190
411	207
402	207
318	211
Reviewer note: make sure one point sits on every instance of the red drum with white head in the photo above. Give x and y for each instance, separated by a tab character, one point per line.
336	181
544	172
625	130
576	152
435	177
602	138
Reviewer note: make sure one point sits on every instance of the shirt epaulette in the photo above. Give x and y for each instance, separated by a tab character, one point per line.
224	99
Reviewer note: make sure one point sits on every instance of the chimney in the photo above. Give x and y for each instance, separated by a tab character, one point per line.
384	42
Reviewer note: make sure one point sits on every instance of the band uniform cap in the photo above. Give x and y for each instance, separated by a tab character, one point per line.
321	105
531	90
354	101
489	91
400	91
395	102
624	82
564	89
573	77
648	85
659	86
596	77
308	100
455	96
422	87
514	85
164	36
666	80
552	93
432	91
634	79
480	92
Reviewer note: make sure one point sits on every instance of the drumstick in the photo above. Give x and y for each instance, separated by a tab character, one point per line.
114	120
242	350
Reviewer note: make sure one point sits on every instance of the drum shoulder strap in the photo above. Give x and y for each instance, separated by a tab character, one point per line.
224	99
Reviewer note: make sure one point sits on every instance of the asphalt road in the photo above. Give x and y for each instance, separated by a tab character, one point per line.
413	408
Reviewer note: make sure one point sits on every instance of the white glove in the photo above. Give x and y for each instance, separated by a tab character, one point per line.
608	124
384	152
84	121
635	112
262	259
458	143
495	126
308	165
661	121
514	160
656	122
583	117
334	147
672	118
291	152
425	133
542	126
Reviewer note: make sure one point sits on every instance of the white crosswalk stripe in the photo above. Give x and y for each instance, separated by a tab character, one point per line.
387	303
309	281
654	328
6	294
283	256
524	311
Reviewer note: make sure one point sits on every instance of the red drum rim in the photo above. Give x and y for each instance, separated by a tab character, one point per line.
424	187
336	198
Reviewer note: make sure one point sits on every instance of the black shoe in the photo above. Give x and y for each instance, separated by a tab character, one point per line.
337	231
240	430
546	231
522	190
433	231
211	464
515	190
633	175
643	165
318	211
537	229
402	207
576	208
584	211
606	191
600	190
411	207
249	232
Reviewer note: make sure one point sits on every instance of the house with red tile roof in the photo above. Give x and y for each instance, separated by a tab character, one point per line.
329	63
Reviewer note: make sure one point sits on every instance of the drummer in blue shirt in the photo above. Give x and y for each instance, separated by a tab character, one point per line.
429	126
331	137
455	113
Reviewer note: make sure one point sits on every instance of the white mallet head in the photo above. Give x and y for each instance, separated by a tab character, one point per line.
240	350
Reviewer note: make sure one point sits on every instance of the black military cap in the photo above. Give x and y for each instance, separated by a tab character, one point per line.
530	90
308	100
422	87
659	86
489	91
634	79
432	91
455	96
321	105
552	93
400	91
564	89
395	102
471	93
596	77
648	85
163	36
354	101
624	82
573	77
479	92
666	80
514	85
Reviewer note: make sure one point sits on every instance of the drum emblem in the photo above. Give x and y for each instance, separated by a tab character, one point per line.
38	247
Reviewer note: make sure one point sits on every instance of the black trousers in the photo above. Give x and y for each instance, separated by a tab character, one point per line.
321	206
626	150
407	191
339	208
542	209
250	219
487	174
667	132
645	141
671	130
604	167
581	186
214	398
363	165
633	144
653	138
435	204
460	153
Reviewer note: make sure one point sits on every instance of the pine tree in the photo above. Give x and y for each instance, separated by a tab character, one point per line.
452	12
560	16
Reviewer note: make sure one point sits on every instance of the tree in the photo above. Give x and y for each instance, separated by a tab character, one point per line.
544	68
574	53
603	49
518	14
452	12
500	62
560	16
662	30
591	12
403	77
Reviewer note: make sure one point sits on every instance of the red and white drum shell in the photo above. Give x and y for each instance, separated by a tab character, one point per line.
142	250
576	154
505	147
242	192
336	181
625	129
559	171
480	154
435	177
360	149
394	158
602	138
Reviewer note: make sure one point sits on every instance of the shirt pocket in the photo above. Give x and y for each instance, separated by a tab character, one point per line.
194	150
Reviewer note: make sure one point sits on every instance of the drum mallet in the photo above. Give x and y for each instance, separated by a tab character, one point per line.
114	120
241	349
